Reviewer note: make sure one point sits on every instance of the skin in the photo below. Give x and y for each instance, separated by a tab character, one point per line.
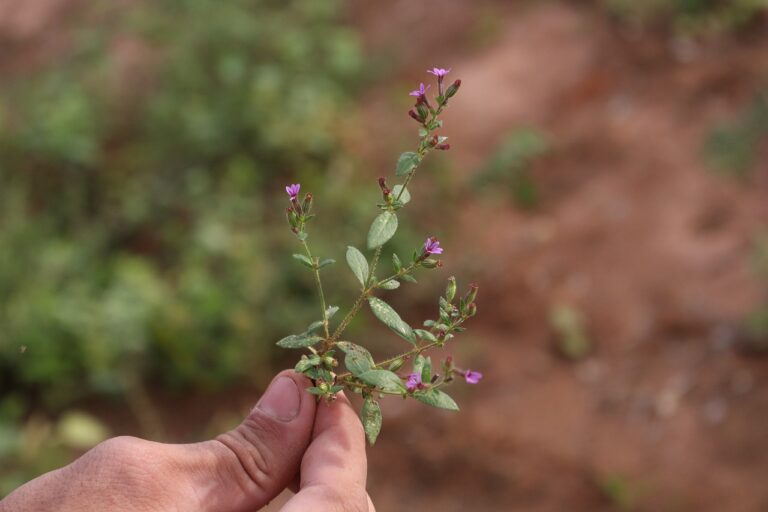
287	441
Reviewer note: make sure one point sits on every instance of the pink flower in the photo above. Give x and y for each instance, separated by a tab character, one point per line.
472	377
421	91
439	72
414	382
432	246
293	190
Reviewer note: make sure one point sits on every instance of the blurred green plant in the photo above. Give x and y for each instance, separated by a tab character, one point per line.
136	176
732	148
571	340
756	323
692	17
510	165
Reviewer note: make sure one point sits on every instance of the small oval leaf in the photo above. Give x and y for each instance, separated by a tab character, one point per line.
383	379
437	398
358	360
391	319
392	284
406	163
382	229
405	197
358	264
370	415
304	260
298	341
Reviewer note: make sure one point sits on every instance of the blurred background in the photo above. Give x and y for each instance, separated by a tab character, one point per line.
607	187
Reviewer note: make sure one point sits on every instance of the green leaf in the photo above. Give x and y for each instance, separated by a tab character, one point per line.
437	398
358	360
418	364
298	341
390	285
409	278
425	335
331	311
396	263
304	260
314	326
405	198
358	264
426	371
324	263
319	373
305	363
391	319
383	379
406	163
370	415
316	391
382	229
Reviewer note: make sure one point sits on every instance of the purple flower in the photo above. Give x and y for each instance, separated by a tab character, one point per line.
472	377
432	246
414	382
293	190
439	72
421	91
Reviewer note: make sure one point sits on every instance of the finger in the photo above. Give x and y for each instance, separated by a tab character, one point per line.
333	471
247	467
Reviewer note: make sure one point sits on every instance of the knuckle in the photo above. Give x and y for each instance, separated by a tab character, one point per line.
250	443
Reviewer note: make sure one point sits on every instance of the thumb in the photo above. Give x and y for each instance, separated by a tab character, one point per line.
245	468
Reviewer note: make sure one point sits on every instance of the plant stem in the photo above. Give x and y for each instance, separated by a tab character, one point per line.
319	284
406	355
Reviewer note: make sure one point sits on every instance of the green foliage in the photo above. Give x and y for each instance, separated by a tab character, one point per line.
370	415
133	199
756	322
688	16
572	341
391	319
732	148
382	229
509	166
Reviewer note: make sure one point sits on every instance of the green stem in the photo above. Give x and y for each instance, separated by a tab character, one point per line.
319	284
405	355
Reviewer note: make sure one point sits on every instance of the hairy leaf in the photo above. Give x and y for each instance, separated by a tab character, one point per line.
437	398
370	415
298	341
382	229
358	264
406	163
358	360
383	379
391	319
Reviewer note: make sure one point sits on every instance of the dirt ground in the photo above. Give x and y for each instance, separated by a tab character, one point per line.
666	413
634	232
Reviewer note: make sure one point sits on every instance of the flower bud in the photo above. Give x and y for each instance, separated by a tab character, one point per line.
396	365
422	110
433	140
431	263
307	204
443	147
450	290
471	294
472	309
416	116
293	221
330	362
453	89
385	191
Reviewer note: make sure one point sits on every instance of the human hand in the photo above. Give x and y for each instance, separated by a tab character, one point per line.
286	441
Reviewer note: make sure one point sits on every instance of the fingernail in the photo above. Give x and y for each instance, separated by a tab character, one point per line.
282	399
